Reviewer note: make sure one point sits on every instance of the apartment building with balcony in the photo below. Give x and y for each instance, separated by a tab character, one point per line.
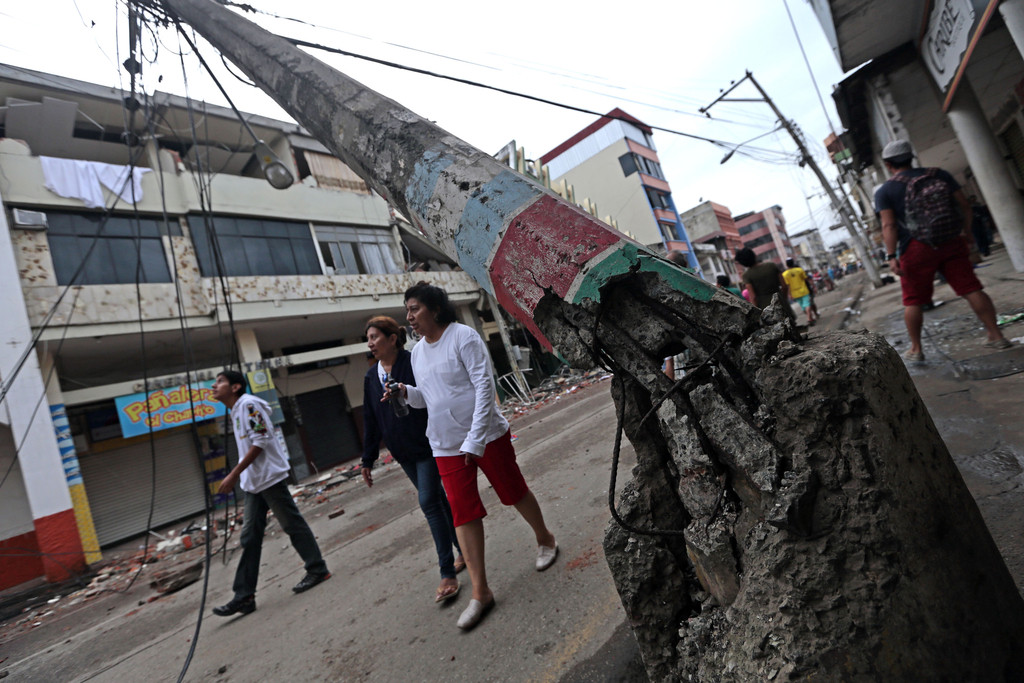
614	162
113	306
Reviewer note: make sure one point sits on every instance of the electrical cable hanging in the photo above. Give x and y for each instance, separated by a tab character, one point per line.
274	170
317	46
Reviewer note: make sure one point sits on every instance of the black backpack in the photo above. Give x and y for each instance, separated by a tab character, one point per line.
932	213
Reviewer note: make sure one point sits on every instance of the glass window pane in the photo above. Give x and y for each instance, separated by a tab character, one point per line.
223	226
306	262
349	257
257	253
250	228
121	266
119	227
372	259
97	269
154	262
235	262
59	224
201	242
282	260
66	257
275	229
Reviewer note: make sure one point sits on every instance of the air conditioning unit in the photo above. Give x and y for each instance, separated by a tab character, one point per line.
29	220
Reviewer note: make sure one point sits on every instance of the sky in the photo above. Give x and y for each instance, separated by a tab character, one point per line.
660	61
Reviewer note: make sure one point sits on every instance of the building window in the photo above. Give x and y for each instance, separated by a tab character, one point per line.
651	168
252	246
123	248
631	163
756	225
658	200
754	243
356	251
628	163
668	231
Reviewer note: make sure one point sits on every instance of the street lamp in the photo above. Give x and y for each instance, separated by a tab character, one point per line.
274	170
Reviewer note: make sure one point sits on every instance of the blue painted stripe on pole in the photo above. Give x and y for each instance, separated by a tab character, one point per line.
486	213
424	179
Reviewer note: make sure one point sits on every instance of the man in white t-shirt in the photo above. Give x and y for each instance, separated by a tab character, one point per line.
262	473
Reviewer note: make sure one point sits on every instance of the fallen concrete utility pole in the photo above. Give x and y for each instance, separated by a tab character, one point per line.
793	513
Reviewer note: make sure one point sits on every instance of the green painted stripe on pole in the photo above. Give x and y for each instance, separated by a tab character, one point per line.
629	257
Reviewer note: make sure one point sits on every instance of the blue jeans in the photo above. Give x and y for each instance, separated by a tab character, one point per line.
254	525
434	503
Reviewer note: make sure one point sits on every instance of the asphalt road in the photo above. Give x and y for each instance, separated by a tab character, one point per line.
375	619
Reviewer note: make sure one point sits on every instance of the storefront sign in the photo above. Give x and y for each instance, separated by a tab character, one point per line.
166	408
953	30
211	373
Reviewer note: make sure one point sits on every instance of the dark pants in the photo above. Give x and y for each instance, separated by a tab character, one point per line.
278	499
434	503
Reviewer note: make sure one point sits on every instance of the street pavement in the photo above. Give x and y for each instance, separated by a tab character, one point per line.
375	619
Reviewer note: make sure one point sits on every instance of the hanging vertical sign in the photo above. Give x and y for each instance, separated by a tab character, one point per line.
950	36
166	408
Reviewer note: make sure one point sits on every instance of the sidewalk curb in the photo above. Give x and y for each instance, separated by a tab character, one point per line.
848	310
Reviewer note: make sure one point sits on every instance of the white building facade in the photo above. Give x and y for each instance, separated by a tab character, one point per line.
113	306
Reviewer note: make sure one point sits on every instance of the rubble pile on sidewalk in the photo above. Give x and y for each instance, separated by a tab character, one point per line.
168	565
552	389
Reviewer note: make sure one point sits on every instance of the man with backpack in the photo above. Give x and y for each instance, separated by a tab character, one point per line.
926	226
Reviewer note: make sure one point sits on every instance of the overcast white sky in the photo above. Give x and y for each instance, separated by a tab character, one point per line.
660	61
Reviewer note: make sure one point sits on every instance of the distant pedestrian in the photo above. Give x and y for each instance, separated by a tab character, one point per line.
262	473
926	226
763	280
406	438
725	283
467	433
800	289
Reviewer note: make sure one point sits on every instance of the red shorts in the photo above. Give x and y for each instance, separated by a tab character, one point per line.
498	464
920	262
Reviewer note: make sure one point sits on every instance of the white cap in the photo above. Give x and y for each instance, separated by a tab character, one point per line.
897	149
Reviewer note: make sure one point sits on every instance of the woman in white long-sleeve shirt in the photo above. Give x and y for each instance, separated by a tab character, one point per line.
467	433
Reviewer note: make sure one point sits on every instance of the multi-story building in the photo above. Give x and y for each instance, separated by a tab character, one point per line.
137	257
765	233
711	224
614	159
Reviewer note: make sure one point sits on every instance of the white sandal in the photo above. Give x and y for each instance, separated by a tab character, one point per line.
474	614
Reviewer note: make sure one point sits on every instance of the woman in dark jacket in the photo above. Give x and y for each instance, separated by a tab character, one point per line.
406	438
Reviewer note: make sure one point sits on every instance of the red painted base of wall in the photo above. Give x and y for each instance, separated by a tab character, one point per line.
19	561
60	544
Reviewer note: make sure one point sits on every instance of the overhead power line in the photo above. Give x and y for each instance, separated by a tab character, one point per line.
465	81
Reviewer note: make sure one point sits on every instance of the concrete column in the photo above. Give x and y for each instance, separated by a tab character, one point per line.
69	458
986	160
1012	12
248	347
53	517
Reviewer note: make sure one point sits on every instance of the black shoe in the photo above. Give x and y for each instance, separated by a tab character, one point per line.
236	606
310	580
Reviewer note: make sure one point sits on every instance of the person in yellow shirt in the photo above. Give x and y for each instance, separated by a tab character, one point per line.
800	290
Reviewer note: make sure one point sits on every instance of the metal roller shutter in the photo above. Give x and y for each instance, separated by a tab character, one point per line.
118	483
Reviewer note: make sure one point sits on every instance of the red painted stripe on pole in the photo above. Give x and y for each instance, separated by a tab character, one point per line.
545	248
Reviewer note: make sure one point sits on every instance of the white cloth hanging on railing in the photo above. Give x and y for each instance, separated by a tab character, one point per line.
85	180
